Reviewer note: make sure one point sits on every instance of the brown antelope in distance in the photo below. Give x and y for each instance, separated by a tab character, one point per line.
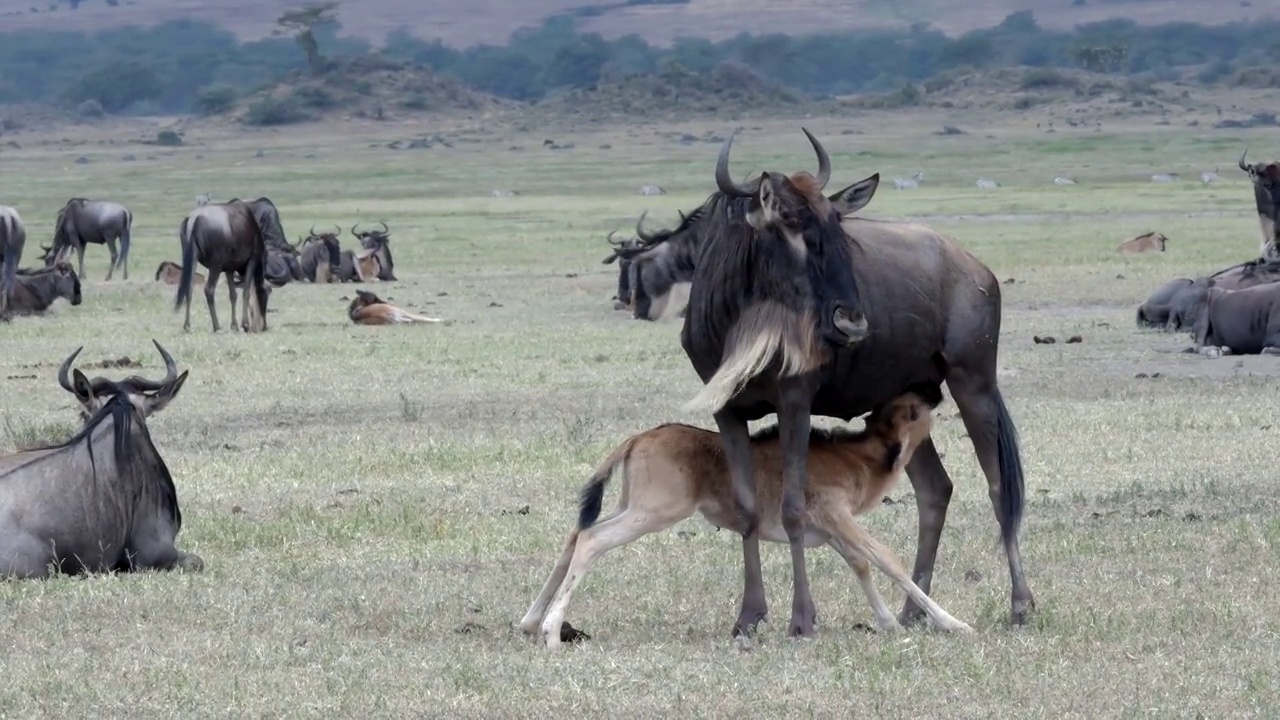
369	309
674	470
170	273
1146	242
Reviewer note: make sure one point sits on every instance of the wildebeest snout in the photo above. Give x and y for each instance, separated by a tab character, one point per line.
850	325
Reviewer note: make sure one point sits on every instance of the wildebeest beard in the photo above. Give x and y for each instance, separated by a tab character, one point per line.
754	266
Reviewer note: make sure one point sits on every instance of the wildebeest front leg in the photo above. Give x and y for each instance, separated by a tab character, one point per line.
932	487
990	429
793	431
115	258
80	256
737	445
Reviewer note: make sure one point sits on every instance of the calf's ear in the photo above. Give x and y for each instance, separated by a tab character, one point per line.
856	196
157	402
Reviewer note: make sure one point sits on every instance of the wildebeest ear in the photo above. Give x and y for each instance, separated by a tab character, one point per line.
80	384
157	402
856	196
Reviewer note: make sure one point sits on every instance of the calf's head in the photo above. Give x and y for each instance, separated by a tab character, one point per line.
146	396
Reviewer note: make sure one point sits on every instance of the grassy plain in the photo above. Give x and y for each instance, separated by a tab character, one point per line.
376	506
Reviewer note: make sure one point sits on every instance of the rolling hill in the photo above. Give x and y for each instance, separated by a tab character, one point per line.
492	21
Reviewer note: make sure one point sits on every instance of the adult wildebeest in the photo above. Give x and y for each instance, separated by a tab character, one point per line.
321	256
621	253
1146	242
793	311
225	238
170	273
34	290
1176	304
1247	322
283	266
378	243
82	221
1266	194
268	217
12	237
662	268
103	500
1157	309
674	470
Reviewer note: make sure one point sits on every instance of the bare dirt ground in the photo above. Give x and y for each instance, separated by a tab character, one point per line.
493	21
376	505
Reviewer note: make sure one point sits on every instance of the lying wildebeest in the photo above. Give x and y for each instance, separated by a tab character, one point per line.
170	273
621	250
358	266
12	237
794	311
1266	194
34	290
369	309
1157	309
103	500
225	238
674	470
1176	304
379	242
283	266
1246	322
82	221
1146	242
321	256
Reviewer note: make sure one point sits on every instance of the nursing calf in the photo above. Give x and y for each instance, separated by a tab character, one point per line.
673	471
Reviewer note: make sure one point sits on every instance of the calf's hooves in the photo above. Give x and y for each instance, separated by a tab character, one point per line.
190	562
571	634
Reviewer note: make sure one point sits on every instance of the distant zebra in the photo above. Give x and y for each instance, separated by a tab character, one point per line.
1060	180
503	193
986	184
652	190
1164	177
1209	176
204	199
912	182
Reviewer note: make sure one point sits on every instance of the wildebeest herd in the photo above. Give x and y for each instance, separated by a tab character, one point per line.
242	239
795	307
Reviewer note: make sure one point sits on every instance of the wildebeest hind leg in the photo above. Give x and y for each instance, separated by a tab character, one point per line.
210	287
995	441
737	443
115	257
231	292
932	488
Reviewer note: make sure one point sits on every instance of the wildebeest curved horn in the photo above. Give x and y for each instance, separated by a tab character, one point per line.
313	231
170	367
640	233
723	181
64	371
824	160
386	231
1242	165
353	230
338	228
610	239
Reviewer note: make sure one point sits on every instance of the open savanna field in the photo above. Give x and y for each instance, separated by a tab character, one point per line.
376	506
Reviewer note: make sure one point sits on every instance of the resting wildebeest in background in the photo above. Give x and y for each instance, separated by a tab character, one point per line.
13	236
283	266
225	238
82	221
793	311
1156	309
622	298
675	470
103	500
1244	322
379	243
321	256
34	290
369	309
1146	242
1266	194
170	273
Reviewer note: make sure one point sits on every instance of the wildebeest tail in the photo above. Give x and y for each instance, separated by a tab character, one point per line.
187	233
1012	481
593	492
125	239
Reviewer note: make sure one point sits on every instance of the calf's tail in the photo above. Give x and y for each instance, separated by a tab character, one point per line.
593	492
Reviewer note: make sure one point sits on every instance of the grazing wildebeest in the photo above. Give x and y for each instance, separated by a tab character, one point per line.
621	250
102	501
13	236
268	217
170	273
321	256
82	221
34	290
1266	194
1155	311
1146	242
795	312
674	470
369	309
225	238
1247	322
662	268
378	243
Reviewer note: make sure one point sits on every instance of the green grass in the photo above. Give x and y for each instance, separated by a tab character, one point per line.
355	491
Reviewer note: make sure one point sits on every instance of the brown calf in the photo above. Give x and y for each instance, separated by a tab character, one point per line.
672	471
1146	242
369	309
170	273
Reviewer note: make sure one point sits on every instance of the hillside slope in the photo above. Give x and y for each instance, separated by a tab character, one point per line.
492	21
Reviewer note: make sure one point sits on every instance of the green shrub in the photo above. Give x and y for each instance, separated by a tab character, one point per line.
275	111
1042	78
216	99
168	138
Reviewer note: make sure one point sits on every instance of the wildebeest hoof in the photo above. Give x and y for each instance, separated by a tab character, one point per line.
1225	350
619	305
571	634
1210	352
1271	350
744	643
190	562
